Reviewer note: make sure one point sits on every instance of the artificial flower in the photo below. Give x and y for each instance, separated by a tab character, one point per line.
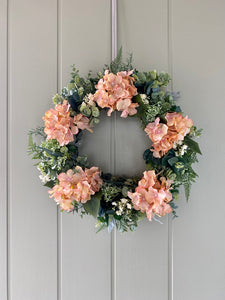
152	196
116	91
165	136
175	121
61	126
81	122
156	131
78	185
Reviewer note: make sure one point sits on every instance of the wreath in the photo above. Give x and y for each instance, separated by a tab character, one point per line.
116	201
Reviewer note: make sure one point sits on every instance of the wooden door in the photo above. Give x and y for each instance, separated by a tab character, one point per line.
46	255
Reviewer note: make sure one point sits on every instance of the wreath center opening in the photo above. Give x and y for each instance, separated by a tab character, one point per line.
128	143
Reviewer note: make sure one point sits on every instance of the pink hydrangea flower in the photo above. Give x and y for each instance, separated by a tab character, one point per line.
81	122
179	124
93	177
152	196
156	131
61	126
127	107
164	136
116	92
76	186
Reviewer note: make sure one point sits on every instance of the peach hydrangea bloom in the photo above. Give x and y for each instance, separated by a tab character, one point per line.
61	126
179	124
116	93
76	186
156	131
81	122
165	136
152	196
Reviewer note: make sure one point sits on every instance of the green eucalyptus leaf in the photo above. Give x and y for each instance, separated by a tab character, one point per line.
141	216
30	140
95	112
92	206
176	108
49	184
147	155
148	87
187	188
153	74
71	86
149	166
192	145
172	161
100	227
117	217
138	99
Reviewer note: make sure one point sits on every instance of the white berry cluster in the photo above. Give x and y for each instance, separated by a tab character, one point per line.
144	98
122	207
180	148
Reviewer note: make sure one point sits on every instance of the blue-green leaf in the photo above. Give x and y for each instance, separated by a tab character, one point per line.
192	145
172	161
30	140
50	184
92	206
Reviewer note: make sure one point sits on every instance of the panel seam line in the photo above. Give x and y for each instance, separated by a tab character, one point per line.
58	214
170	221
113	146
7	159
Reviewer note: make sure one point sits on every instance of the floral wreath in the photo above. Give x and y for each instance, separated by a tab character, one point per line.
116	201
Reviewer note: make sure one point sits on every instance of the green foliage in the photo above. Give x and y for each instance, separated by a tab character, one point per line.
195	132
82	85
177	168
110	191
82	161
114	191
186	176
90	110
151	80
122	223
156	104
128	221
192	144
57	99
53	158
118	65
92	206
39	131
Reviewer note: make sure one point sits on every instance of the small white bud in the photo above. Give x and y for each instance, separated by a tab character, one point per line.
44	178
120	208
123	200
143	96
183	150
174	145
129	206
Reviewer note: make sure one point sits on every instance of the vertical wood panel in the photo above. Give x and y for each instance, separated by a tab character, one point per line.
197	42
32	82
170	217
3	150
85	28
199	73
142	257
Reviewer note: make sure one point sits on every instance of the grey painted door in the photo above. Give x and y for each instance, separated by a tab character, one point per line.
46	255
